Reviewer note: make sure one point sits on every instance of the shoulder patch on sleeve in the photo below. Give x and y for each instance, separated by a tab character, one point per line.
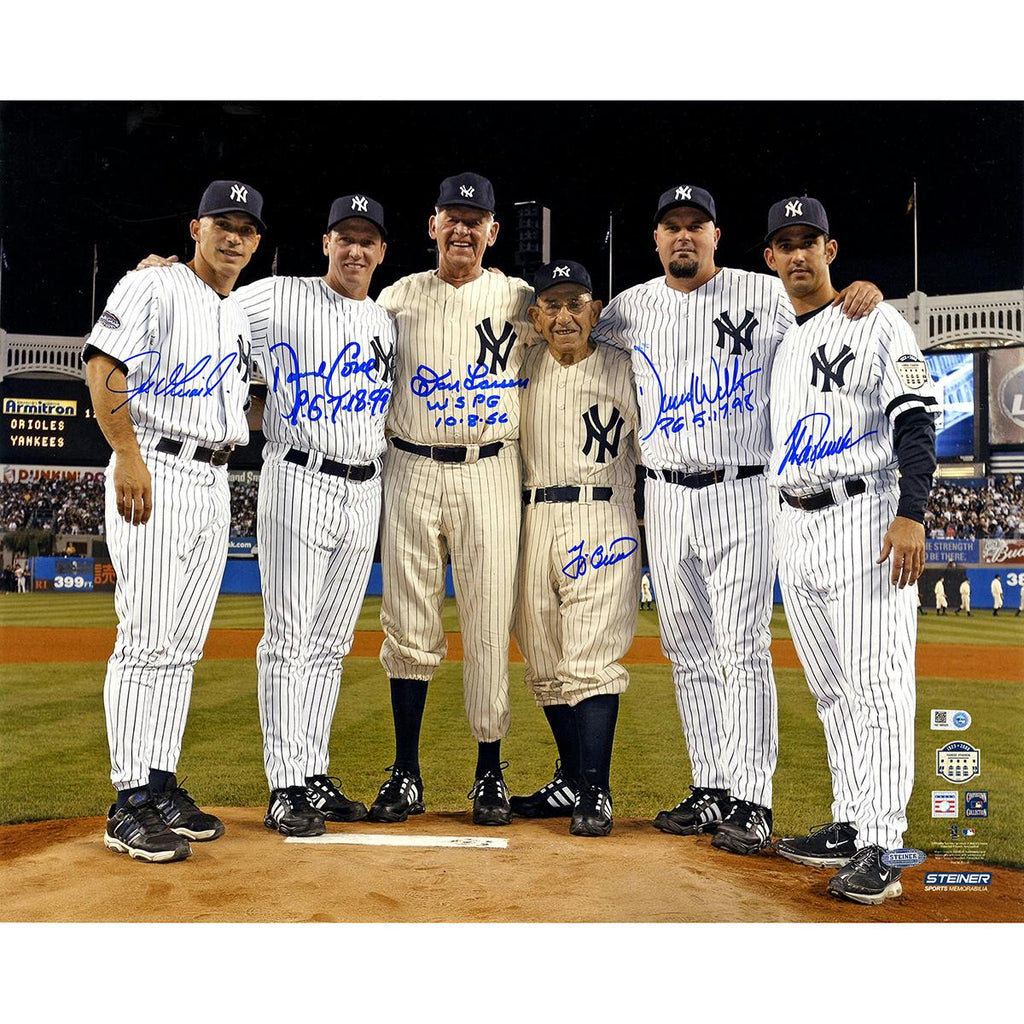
913	371
109	320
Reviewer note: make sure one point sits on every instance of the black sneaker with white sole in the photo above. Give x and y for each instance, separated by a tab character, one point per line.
400	796
825	846
747	828
325	796
138	830
290	814
592	815
181	815
702	811
865	879
554	799
490	800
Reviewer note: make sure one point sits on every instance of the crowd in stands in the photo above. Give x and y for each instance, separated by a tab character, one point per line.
958	510
76	506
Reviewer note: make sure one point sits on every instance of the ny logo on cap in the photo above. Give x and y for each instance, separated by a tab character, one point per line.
684	192
467	191
240	192
560	272
795	208
359	203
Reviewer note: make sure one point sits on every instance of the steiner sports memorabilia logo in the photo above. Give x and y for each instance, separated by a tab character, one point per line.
906	858
958	762
975	804
945	804
946	718
957	881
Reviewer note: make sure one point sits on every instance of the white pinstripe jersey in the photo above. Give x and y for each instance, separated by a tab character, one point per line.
837	387
186	350
328	362
579	422
701	361
459	353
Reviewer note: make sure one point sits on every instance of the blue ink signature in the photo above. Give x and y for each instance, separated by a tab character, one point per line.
725	388
427	380
600	556
180	382
311	406
802	448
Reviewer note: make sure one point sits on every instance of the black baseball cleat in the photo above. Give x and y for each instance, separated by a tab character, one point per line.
181	815
747	828
702	811
289	812
325	795
138	830
555	799
865	879
399	797
490	800
825	846
592	815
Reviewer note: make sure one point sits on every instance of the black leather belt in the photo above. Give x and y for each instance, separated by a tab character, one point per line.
714	476
215	456
448	452
540	494
823	499
329	466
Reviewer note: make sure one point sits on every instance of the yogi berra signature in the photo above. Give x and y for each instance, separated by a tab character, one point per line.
198	381
803	448
599	557
723	391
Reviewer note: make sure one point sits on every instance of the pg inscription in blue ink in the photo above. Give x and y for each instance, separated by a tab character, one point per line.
198	381
426	381
347	364
804	447
723	393
617	550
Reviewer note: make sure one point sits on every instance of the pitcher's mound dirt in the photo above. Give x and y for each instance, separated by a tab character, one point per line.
60	871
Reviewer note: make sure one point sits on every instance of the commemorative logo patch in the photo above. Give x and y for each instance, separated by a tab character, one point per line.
108	319
913	371
958	762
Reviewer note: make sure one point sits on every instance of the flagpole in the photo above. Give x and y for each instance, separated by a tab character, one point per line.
914	200
609	255
95	268
3	260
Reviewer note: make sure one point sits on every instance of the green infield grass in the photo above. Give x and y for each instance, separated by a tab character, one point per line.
53	752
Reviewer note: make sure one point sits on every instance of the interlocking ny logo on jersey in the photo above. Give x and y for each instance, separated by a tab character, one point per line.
359	203
384	360
604	435
795	208
240	192
741	335
495	349
832	371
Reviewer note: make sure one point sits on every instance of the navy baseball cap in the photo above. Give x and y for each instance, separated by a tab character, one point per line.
232	197
363	206
796	210
467	189
561	272
685	195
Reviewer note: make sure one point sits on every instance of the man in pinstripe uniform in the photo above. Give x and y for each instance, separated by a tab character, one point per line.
324	354
167	367
579	565
452	491
703	339
852	403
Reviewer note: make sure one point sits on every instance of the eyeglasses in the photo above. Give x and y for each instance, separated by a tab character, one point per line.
575	306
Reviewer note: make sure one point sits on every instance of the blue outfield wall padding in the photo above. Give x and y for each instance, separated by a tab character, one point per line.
242	576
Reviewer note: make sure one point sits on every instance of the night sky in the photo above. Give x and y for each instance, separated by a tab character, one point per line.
128	176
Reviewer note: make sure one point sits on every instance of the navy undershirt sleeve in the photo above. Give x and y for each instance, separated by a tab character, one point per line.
914	443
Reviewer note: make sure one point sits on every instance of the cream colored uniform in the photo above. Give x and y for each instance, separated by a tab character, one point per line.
457	382
579	564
